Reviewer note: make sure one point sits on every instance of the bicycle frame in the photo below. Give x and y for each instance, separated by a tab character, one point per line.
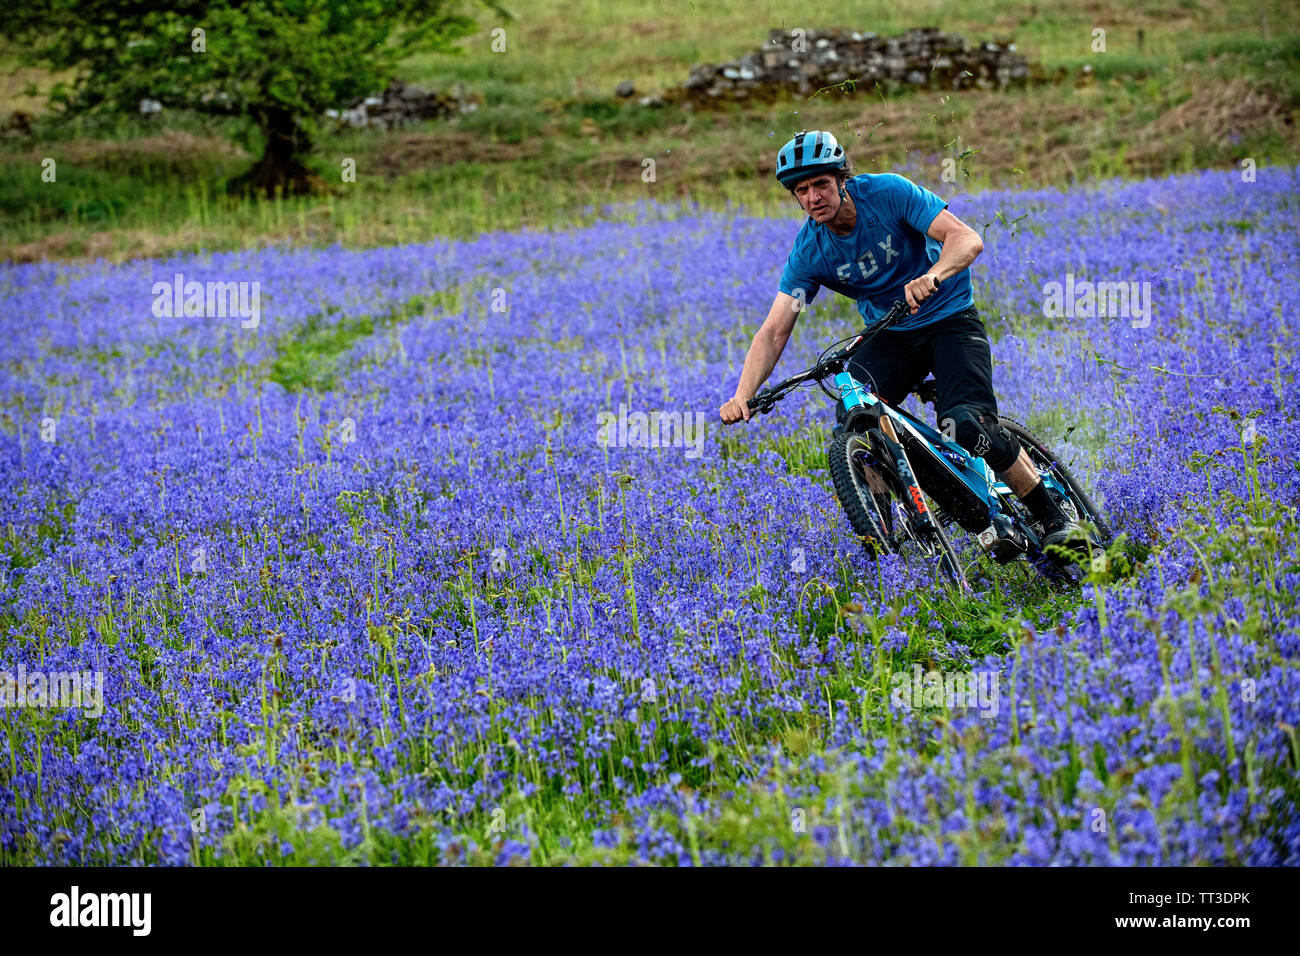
972	471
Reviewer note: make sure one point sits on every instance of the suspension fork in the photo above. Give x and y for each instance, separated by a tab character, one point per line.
903	469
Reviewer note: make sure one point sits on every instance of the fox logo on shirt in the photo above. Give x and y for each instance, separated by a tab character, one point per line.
845	270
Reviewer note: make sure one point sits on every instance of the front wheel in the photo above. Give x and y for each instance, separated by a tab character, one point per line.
879	512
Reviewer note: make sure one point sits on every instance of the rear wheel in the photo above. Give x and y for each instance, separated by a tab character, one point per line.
1076	503
880	513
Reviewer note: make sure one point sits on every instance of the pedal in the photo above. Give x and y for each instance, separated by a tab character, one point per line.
1002	541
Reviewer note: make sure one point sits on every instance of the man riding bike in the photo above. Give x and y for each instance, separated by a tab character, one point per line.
877	239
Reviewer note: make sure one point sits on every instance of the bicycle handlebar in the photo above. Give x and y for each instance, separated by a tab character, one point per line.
765	400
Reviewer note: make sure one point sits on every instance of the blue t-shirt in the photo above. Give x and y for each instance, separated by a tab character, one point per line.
887	249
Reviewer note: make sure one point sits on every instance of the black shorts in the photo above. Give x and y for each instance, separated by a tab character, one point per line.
955	349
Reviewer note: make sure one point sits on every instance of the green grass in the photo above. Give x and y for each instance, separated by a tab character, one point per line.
308	357
579	46
550	144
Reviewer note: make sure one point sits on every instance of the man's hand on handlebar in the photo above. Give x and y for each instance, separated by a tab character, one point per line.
920	289
736	409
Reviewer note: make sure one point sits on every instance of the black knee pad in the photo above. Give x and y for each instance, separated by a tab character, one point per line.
979	432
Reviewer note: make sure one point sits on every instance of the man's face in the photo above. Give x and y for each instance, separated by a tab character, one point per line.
818	195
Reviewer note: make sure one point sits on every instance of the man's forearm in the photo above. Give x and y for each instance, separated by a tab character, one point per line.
759	362
958	253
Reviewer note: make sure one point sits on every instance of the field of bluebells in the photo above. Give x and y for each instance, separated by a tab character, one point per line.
366	586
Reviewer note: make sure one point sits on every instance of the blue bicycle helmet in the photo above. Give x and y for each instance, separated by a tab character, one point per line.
809	153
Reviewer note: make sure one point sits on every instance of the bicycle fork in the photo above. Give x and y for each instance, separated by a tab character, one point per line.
903	469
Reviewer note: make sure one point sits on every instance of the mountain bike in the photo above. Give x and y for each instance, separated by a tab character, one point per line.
885	462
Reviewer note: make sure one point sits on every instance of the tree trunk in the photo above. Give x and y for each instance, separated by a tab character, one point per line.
279	172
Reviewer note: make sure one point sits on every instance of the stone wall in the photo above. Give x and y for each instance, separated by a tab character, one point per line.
806	61
401	104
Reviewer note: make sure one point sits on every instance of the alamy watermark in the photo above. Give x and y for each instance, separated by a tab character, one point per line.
1090	300
75	908
951	689
212	300
57	689
656	429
